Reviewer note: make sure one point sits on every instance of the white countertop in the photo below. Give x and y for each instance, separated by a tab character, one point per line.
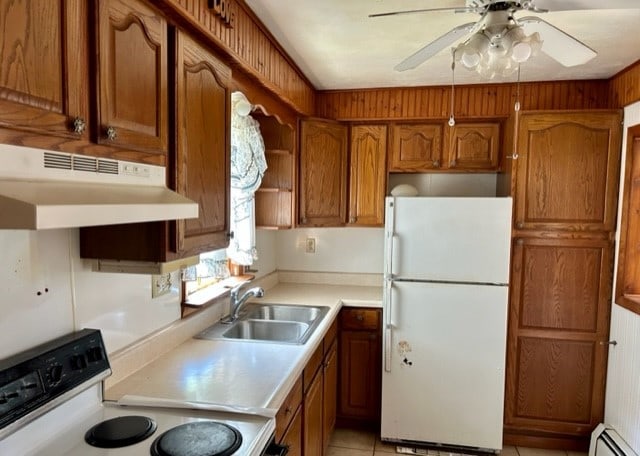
246	376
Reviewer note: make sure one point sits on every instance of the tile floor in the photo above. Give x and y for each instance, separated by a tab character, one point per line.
349	442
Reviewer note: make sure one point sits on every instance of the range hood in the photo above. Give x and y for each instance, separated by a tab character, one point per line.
44	190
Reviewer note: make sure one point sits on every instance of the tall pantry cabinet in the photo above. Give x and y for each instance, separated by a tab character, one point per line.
564	179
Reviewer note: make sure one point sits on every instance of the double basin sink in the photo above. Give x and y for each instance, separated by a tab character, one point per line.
280	323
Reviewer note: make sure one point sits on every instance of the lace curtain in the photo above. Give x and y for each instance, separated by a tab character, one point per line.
248	165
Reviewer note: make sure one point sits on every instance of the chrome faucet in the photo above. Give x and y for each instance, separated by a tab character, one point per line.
236	303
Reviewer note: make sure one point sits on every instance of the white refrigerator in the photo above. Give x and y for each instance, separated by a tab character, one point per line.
446	274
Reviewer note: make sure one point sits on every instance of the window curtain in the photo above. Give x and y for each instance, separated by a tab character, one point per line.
248	165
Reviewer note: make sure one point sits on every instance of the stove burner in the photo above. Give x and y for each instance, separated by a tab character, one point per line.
199	438
121	431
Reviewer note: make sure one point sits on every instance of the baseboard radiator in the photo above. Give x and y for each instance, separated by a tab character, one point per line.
605	441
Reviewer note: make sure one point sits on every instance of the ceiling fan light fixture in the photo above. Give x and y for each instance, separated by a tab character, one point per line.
498	50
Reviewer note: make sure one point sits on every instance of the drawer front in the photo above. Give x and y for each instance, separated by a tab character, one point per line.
312	367
330	336
288	409
360	318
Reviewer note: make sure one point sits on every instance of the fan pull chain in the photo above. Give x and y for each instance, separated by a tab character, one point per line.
516	108
452	120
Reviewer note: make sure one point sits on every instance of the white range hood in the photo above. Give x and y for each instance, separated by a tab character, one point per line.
44	190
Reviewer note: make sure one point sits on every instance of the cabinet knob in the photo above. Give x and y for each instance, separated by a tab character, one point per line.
520	225
79	125
359	317
453	163
436	163
303	220
287	411
353	220
519	241
230	234
112	134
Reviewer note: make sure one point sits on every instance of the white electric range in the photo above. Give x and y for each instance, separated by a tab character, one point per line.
51	404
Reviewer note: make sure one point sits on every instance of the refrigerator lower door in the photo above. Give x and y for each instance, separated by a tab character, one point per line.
445	346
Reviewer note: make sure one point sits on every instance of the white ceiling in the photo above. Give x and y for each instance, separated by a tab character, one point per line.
337	46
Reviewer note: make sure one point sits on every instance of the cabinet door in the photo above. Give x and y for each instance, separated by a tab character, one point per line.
132	76
323	173
558	326
203	150
367	174
474	146
312	420
330	393
43	73
415	147
567	171
292	438
360	371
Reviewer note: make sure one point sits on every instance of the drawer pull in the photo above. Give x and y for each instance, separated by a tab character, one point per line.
360	317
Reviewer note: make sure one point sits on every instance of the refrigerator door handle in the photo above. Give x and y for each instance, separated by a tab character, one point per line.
388	325
390	238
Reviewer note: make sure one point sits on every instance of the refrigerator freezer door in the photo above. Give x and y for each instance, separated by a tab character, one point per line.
447	364
448	239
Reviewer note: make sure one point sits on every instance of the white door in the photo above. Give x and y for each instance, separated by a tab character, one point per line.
443	374
448	239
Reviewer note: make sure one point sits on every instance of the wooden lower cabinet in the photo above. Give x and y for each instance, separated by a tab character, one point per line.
292	439
307	416
360	367
329	393
312	419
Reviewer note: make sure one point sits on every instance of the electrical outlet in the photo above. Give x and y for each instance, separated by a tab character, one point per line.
160	284
310	245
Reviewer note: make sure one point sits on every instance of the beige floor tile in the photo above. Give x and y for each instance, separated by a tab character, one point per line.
350	438
509	450
382	447
524	451
337	451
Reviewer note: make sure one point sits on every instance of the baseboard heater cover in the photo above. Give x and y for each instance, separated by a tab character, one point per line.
605	441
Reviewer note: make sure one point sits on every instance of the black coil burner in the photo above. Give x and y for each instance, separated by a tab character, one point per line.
199	438
121	431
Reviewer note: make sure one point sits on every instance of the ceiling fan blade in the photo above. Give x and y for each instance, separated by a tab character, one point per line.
572	5
435	46
557	44
462	9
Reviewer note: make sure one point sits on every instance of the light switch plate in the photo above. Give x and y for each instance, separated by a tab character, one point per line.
310	245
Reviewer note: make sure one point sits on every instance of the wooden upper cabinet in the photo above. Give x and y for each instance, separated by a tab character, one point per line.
202	162
132	76
567	171
415	147
43	73
323	173
367	174
473	146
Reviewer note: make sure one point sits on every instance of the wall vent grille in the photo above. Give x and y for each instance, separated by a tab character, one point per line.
57	161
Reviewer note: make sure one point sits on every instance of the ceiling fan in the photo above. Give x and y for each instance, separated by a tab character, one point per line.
498	42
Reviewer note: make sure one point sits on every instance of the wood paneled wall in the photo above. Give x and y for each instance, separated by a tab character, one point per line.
471	101
250	46
625	86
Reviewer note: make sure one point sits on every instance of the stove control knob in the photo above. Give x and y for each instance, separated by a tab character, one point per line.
54	374
78	362
94	354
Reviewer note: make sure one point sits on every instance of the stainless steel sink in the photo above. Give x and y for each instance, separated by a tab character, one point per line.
276	331
277	323
283	312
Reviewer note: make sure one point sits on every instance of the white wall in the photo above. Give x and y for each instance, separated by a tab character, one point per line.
71	295
622	401
337	250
